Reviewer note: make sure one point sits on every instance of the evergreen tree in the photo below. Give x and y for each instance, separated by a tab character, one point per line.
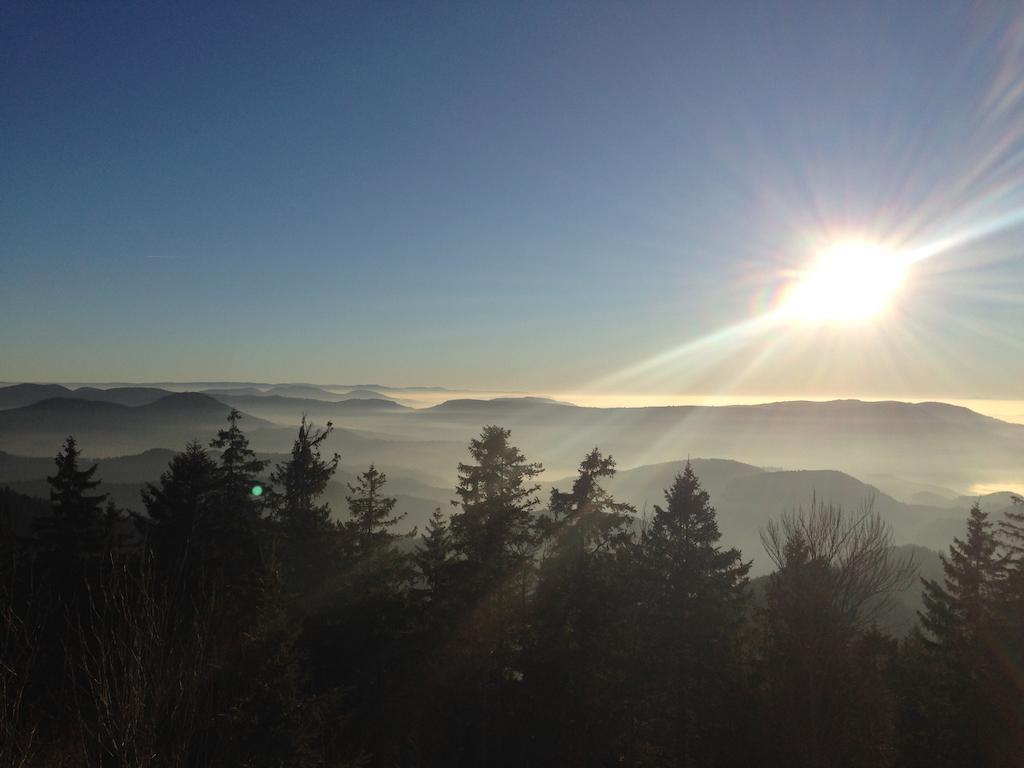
234	526
78	532
359	627
310	541
372	512
239	469
301	481
178	509
78	527
694	594
1010	632
577	614
268	719
960	619
494	537
495	531
434	553
587	520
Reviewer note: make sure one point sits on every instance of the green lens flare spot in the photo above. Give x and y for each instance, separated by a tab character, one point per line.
257	490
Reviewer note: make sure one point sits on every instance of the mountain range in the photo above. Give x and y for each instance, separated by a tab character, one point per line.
922	454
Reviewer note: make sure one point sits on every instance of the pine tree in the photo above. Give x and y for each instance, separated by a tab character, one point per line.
269	720
587	520
364	617
298	483
233	533
494	537
960	618
694	594
1010	632
434	553
178	509
371	512
310	540
495	531
78	528
239	468
576	615
1011	538
959	611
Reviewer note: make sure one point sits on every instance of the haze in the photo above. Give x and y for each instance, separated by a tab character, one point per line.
512	384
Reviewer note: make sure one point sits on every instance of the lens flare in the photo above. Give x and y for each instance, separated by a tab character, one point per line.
850	282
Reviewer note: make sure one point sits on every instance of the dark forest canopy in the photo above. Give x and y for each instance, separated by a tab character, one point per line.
241	621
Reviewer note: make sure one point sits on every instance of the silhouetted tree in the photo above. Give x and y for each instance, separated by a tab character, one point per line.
311	543
1010	632
694	594
372	512
433	554
233	549
359	627
78	527
300	482
960	620
574	655
835	572
179	510
494	537
269	719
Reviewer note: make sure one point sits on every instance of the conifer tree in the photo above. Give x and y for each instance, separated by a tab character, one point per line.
693	592
78	527
434	553
239	468
960	620
310	540
587	520
178	508
232	551
576	614
1010	633
297	484
495	531
270	719
372	512
494	537
366	614
1011	538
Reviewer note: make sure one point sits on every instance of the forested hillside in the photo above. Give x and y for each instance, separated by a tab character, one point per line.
241	616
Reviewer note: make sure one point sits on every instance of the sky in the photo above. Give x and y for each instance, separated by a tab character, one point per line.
560	197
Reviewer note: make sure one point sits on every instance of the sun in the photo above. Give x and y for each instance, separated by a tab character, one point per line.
850	282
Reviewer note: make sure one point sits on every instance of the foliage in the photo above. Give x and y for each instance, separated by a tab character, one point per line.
237	630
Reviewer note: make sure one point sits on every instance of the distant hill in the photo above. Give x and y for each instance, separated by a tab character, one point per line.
746	498
19	395
496	405
365	394
110	428
289	410
235	392
902	449
301	390
122	395
929	444
645	485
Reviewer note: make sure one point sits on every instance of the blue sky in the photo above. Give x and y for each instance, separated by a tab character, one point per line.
513	195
